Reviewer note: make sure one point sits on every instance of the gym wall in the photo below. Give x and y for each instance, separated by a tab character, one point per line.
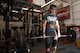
75	11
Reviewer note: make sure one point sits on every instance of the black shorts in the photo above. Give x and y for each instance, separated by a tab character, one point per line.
50	42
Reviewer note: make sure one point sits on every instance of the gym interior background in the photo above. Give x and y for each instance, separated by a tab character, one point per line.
21	26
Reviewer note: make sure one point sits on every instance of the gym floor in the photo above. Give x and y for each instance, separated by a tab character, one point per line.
39	47
62	48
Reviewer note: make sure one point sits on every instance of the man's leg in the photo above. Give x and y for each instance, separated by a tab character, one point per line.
54	46
48	43
54	49
47	50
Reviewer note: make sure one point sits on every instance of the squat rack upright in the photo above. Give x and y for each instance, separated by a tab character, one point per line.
10	6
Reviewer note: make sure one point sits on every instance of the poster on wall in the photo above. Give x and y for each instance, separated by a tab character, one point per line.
31	1
63	13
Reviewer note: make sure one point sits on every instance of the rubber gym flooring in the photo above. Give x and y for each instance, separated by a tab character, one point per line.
39	47
68	47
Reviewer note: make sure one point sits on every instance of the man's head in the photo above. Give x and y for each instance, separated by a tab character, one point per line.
52	9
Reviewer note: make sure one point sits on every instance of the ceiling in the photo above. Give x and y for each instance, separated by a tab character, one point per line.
47	2
58	3
24	3
70	0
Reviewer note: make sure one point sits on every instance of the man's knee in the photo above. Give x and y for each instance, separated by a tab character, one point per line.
55	47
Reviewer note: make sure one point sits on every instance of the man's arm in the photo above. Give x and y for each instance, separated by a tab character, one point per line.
44	26
57	28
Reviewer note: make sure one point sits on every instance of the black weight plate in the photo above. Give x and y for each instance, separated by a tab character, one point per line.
72	35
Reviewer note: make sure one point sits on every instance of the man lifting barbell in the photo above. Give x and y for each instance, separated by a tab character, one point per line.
50	26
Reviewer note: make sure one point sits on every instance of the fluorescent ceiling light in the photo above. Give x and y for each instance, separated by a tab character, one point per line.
35	10
14	11
47	3
24	8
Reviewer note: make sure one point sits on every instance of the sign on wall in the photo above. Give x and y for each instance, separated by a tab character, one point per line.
63	13
31	1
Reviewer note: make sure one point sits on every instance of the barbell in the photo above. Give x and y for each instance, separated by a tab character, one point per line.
22	40
22	44
39	37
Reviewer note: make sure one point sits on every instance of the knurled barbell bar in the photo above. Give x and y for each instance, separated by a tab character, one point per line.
22	40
